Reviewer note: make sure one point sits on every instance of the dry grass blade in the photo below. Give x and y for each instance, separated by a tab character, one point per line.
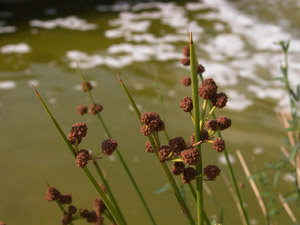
252	183
236	200
288	209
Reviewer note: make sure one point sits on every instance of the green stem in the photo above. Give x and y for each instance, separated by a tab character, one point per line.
237	191
137	189
107	187
194	195
86	171
164	166
210	113
196	112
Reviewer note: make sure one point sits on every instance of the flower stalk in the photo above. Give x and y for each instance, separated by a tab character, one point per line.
107	202
137	189
164	166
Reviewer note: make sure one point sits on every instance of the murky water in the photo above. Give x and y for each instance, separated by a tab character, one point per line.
142	41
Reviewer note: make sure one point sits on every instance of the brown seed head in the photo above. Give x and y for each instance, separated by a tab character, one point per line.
177	145
148	147
186	51
178	168
99	206
190	156
94	109
84	213
52	194
72	209
200	69
145	130
208	89
88	84
219	100
164	152
2	223
211	172
185	61
153	121
188	175
65	199
186	104
219	144
92	217
78	131
186	81
203	136
223	122
82	109
109	146
82	158
212	125
67	218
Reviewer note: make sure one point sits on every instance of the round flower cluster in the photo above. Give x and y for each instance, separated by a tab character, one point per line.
77	132
151	123
82	158
109	146
70	212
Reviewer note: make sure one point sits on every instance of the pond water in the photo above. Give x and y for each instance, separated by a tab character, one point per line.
39	44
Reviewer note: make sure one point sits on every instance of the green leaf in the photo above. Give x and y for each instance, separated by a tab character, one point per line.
276	177
292	197
279	78
294	151
162	189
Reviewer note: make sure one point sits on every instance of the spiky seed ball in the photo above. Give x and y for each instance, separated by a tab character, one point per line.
186	51
99	206
160	126
211	172
208	89
82	109
200	69
186	104
153	121
164	152
177	145
145	130
52	194
109	146
212	125
92	217
88	84
84	213
190	156
185	61
65	199
203	136
82	158
78	131
219	100
186	81
178	168
148	147
67	218
219	144
72	209
188	175
94	109
223	122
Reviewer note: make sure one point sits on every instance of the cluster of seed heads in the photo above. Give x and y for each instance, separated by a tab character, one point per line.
71	213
